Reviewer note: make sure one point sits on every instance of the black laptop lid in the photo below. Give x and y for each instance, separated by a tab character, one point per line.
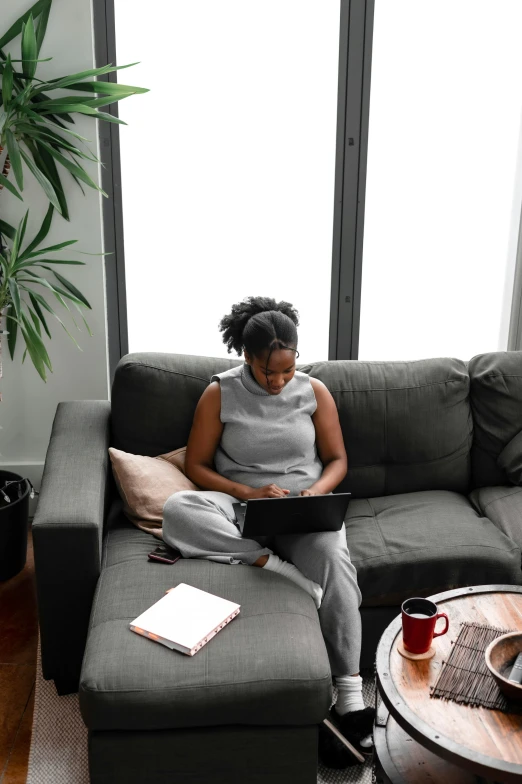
291	514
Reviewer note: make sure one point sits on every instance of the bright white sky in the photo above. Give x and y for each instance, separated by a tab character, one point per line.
228	171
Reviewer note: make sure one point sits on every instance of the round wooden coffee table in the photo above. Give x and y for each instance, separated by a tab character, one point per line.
419	738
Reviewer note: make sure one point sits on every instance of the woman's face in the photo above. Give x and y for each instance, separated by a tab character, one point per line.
280	371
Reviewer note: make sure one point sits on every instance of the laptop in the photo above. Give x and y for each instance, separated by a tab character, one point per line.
301	514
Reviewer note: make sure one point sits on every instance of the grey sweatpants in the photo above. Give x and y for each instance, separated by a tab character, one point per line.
201	524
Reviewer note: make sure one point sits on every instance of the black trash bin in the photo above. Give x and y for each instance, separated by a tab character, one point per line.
14	525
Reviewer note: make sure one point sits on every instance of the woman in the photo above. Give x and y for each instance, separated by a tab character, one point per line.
273	431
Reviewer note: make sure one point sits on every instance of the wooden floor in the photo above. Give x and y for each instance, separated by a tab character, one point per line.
18	644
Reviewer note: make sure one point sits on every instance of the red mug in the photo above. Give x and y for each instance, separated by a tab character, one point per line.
419	617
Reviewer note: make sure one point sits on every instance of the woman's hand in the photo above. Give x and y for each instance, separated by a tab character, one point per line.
268	491
274	491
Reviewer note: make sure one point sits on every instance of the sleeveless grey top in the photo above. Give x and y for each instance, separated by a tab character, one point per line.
267	438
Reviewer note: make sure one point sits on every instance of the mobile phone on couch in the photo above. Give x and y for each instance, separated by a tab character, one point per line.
165	554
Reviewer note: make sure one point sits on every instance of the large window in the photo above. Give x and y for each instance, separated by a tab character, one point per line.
444	178
227	166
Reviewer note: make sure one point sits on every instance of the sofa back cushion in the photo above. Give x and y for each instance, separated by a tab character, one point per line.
406	425
496	404
154	396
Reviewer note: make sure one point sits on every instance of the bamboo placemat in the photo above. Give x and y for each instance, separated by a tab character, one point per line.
465	678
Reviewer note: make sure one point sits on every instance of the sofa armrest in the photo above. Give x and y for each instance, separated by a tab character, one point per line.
67	532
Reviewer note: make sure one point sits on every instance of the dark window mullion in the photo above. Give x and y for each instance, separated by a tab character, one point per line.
353	152
105	53
344	26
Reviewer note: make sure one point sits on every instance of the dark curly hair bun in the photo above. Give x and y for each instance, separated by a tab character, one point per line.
259	324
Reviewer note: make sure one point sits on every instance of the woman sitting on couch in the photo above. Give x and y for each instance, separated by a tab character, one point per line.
271	430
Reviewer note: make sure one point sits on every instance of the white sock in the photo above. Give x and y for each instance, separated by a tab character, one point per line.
275	564
349	697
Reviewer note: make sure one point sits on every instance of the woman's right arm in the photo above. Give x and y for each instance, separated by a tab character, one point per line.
203	441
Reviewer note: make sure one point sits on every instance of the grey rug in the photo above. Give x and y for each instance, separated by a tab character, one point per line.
58	752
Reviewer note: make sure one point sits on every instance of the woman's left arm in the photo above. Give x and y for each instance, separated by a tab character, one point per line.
329	441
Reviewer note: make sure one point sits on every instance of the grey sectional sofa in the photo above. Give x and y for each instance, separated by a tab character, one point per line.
435	470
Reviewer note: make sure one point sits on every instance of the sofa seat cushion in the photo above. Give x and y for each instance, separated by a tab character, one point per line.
502	504
269	666
417	544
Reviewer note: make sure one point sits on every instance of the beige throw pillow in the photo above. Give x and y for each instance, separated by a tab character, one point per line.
145	483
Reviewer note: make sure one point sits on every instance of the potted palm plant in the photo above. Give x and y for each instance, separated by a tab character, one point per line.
36	134
35	131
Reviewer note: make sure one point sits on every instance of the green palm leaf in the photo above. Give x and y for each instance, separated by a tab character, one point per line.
55	289
42	233
7	230
43	262
81	108
42	133
34	347
44	304
108	88
107	100
49	119
78	171
50	249
19	237
7	82
15	296
44	282
10	187
16	28
36	321
65	81
38	310
44	182
87	326
11	338
29	48
74	100
37	340
14	153
47	166
42	26
42	97
68	285
66	99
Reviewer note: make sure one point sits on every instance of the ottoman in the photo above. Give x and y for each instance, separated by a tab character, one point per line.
245	707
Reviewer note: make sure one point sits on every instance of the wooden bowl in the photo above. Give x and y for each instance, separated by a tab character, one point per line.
500	657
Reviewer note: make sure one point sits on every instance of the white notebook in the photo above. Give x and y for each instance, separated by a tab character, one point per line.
185	619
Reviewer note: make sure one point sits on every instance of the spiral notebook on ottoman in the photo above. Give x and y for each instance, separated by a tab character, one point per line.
185	619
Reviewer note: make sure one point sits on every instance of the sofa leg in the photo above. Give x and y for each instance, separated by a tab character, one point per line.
66	685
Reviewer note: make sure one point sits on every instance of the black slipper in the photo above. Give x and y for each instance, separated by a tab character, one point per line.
332	752
356	725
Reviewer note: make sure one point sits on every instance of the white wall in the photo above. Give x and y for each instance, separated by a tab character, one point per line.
29	404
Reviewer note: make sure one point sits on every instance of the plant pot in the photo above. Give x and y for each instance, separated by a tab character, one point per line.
14	526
